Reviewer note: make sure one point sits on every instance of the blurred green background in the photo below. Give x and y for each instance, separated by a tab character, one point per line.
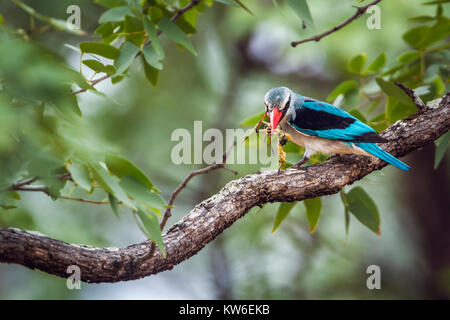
240	57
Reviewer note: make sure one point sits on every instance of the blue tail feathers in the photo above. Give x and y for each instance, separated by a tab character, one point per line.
372	148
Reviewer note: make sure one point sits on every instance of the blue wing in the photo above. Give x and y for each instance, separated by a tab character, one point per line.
320	119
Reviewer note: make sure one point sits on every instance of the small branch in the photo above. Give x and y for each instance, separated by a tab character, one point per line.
23	186
186	8
358	13
84	200
33	189
19	186
414	96
194	173
22	183
175	17
93	83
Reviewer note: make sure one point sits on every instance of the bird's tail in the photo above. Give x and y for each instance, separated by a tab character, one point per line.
372	148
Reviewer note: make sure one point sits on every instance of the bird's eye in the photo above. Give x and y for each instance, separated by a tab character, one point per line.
288	103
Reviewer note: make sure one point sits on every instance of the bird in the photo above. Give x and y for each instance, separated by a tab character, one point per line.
322	127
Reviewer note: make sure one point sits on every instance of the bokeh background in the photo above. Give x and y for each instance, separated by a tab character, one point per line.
240	57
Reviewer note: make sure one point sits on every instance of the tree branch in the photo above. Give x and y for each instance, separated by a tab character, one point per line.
211	217
359	12
179	13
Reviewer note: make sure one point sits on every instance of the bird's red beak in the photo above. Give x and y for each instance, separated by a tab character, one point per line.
275	118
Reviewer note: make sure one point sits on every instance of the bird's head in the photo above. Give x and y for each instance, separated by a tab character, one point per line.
277	102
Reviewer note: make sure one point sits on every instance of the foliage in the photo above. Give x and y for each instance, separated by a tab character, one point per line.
45	134
59	143
373	94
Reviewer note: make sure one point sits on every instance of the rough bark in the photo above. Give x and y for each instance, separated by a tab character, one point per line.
211	217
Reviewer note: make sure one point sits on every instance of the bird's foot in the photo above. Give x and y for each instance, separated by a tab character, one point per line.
279	169
300	163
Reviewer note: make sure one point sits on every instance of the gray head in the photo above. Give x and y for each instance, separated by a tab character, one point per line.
277	102
277	97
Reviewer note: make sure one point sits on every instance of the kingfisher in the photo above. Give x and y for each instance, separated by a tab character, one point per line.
321	127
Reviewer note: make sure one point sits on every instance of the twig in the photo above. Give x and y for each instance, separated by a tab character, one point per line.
18	186
194	173
22	183
186	8
23	186
255	128
85	200
358	13
93	83
414	96
175	17
33	189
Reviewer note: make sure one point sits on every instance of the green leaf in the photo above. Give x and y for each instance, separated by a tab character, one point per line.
283	211
102	49
408	56
122	167
153	36
392	70
155	14
150	73
190	16
54	186
342	88
174	33
356	64
114	205
133	26
105	29
185	26
413	36
442	144
392	90
301	8
141	194
313	208
436	2
361	205
117	79
80	174
439	31
151	224
152	57
421	19
97	66
115	14
240	4
376	65
111	185
126	57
